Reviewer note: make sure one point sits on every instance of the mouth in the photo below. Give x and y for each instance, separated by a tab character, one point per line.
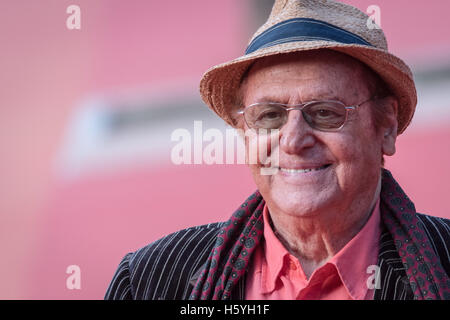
293	171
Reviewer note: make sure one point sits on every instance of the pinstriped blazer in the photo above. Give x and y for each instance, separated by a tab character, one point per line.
167	269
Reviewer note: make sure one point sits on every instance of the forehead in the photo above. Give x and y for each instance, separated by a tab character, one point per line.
306	75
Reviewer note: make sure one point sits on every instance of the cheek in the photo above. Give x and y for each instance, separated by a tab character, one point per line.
356	158
263	182
262	156
262	150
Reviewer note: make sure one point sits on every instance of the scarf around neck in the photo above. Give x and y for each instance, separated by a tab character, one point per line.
241	234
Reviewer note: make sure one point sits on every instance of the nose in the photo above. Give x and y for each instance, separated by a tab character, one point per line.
296	135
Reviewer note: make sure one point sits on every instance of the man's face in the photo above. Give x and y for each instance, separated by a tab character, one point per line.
346	164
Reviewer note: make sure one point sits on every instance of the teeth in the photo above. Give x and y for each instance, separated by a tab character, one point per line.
302	170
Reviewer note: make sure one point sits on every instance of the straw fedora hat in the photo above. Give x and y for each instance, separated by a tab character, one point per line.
303	25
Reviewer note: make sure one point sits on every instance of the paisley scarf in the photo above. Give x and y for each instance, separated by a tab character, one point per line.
242	233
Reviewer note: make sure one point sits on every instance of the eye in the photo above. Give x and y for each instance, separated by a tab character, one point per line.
269	115
266	116
326	111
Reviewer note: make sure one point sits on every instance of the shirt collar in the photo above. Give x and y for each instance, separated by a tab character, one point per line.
274	255
351	261
358	254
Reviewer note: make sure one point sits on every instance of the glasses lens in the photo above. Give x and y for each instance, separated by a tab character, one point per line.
325	115
265	116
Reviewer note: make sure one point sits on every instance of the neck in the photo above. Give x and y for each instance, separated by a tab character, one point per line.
315	240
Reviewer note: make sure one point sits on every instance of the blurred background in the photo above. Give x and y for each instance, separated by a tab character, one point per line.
86	117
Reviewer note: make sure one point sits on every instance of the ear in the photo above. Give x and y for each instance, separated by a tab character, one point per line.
390	125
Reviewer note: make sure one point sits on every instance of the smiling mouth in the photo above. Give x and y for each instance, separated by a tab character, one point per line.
304	170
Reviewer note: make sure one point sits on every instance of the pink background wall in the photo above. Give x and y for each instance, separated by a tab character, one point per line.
48	223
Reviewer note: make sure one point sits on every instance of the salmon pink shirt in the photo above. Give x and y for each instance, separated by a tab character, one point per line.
275	274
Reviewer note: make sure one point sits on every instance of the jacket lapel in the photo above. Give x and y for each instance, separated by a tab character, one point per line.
393	282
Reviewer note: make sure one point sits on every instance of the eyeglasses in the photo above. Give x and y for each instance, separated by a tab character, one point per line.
326	115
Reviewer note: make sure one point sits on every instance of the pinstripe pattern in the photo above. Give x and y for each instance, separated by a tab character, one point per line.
163	269
167	268
438	229
393	280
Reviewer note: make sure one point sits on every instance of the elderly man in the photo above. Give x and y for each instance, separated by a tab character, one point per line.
330	222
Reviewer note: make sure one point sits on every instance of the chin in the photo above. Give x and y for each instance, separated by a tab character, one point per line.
301	205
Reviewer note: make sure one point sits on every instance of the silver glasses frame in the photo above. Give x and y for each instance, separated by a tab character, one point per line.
301	106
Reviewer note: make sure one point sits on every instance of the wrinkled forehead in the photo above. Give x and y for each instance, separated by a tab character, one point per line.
325	71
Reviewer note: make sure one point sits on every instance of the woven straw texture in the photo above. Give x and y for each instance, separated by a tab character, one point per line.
219	85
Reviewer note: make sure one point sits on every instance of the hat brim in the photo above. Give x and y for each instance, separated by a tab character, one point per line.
220	84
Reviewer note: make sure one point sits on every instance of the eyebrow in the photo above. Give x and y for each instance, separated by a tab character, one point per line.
271	98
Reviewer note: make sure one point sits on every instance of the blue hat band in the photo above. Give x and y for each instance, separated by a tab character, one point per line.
303	29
